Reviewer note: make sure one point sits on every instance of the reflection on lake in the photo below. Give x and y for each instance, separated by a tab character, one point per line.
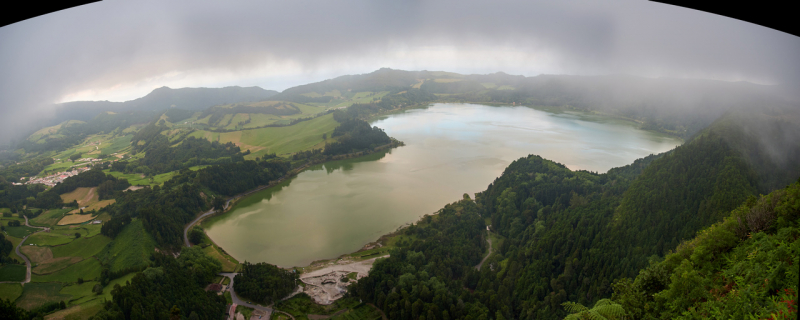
451	149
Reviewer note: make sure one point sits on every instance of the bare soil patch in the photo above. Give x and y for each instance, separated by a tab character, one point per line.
324	285
85	196
37	254
74	219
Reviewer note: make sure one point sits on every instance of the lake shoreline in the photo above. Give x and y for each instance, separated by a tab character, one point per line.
538	132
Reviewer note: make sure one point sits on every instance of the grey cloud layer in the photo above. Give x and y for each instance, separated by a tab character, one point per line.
104	44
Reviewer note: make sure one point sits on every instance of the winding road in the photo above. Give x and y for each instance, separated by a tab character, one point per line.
236	300
205	214
489	240
27	261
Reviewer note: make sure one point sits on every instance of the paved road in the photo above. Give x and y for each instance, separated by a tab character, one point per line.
27	262
489	240
205	214
240	302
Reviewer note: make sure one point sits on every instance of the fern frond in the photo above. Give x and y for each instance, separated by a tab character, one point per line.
573	307
594	315
613	311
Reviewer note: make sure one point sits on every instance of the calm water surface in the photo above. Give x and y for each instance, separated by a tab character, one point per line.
451	149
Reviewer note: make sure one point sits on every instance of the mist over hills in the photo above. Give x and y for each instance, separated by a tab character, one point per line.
163	98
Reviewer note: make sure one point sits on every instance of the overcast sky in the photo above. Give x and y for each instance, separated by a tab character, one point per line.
120	50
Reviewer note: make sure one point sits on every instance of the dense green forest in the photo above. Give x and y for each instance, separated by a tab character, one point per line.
743	267
567	235
264	283
165	210
169	290
356	135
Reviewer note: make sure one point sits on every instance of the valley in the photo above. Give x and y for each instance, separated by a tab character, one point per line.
406	172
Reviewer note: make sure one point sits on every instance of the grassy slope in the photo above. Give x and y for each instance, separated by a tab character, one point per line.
49	218
37	294
281	140
131	248
86	269
12	272
62	235
10	291
82	247
84	196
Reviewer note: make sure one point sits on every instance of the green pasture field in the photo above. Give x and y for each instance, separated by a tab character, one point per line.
77	312
362	97
37	294
54	265
10	291
135	179
90	298
281	140
121	281
63	235
58	166
79	290
134	128
88	269
14	242
131	248
49	217
116	144
4	210
50	131
20	232
82	247
229	263
13	272
14	217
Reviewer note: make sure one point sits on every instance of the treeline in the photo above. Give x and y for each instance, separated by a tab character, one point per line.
426	276
355	135
234	178
165	210
170	290
566	235
16	197
744	267
6	247
162	155
25	169
264	283
190	152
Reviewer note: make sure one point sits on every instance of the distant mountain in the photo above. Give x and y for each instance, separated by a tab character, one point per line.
384	79
676	106
161	99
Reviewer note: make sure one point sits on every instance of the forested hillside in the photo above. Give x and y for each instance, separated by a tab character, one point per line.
565	235
744	267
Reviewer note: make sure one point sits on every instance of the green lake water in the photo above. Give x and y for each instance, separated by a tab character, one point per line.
451	149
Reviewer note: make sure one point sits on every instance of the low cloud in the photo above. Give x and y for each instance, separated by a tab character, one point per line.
120	50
